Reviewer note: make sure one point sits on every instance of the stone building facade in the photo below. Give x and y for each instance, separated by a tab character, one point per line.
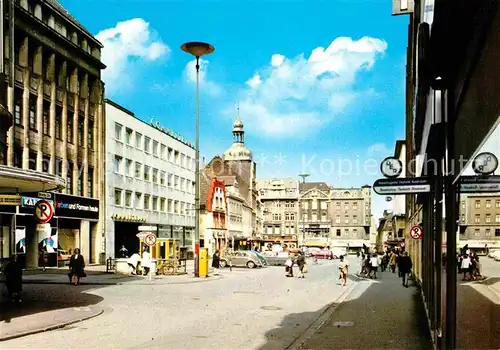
55	94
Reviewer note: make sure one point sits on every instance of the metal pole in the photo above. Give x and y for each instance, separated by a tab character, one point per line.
1	37
197	174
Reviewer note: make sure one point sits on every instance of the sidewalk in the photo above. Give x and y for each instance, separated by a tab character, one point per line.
376	314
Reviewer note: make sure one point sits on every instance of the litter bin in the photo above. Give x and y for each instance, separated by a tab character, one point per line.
203	268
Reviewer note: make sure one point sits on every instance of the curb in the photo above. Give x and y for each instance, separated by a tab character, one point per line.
139	283
298	342
51	328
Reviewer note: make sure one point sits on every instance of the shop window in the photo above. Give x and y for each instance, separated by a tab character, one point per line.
118	197
128	199
69	130
32	112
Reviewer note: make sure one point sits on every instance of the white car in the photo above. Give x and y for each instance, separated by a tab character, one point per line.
496	255
492	253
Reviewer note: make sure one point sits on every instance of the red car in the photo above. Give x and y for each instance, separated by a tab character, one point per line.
321	253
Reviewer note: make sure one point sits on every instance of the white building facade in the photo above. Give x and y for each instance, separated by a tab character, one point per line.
150	181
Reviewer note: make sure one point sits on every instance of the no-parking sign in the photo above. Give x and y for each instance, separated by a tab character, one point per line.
44	211
416	232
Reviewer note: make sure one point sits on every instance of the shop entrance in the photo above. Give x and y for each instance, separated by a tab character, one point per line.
126	236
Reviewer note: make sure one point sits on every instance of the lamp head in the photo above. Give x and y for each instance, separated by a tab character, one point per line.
197	48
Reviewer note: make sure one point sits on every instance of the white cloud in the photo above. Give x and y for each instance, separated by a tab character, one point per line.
379	149
124	44
296	95
206	86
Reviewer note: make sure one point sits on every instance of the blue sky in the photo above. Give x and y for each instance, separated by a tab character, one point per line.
320	84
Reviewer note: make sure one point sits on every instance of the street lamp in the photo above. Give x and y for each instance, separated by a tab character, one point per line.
197	49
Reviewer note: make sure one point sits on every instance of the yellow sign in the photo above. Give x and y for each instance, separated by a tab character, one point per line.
10	199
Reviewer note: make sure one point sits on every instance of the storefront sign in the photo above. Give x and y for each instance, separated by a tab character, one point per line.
401	186
159	127
76	207
10	199
128	217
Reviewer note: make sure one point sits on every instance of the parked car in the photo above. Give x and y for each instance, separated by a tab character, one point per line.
492	253
276	258
322	253
242	258
496	256
261	257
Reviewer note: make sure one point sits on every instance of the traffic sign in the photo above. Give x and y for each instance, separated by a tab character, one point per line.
150	239
142	235
416	232
391	167
485	163
480	184
401	186
44	211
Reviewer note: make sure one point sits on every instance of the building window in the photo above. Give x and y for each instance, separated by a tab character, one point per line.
170	207
138	140
162	178
46	119
497	203
176	182
118	197
118	164
477	219
58	165
69	178
128	199
463	217
478	204
138	200
128	167
346	219
346	205
339	233
18	118
488	204
355	206
163	150
463	204
155	176
354	219
147	144
337	219
80	182
32	161
128	136
155	148
488	232
146	202
90	182
497	217
497	232
337	205
90	135
118	131
58	123
488	218
138	168
477	232
80	130
169	180
32	112
146	173
69	130
170	154
155	203
163	205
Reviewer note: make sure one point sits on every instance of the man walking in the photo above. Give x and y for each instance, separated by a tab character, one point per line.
405	266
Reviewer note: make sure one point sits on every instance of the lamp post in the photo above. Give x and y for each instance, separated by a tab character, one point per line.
197	49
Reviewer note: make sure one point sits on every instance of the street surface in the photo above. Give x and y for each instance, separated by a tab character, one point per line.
243	310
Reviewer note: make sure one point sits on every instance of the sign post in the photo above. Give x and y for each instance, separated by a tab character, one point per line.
150	240
44	211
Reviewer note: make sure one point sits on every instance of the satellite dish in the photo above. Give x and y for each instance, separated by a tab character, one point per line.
388	199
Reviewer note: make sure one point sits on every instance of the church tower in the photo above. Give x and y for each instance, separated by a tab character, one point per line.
238	151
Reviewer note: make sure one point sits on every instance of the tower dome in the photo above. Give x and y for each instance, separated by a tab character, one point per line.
238	151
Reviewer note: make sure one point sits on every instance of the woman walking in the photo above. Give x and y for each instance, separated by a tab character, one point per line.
216	262
76	266
301	261
344	270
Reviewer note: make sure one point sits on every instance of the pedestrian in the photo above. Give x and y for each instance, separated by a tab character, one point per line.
301	262
392	262
466	267
373	266
124	252
146	262
289	267
76	266
133	263
216	262
344	270
14	279
405	266
43	258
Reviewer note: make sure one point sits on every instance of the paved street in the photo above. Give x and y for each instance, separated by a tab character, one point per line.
243	310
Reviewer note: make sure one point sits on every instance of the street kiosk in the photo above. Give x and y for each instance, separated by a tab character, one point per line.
170	257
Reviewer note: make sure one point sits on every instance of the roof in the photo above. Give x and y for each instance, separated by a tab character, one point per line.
306	186
204	189
271	183
65	14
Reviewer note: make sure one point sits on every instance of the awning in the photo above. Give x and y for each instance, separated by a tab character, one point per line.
316	244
